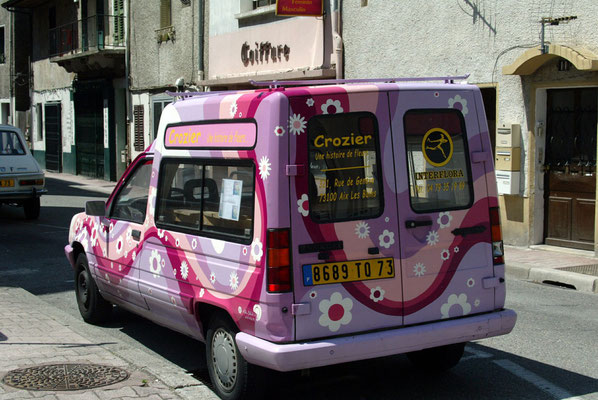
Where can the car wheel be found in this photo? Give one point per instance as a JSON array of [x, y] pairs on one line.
[[92, 306], [32, 207], [232, 377], [437, 359]]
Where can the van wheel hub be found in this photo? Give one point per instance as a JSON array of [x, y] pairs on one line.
[[224, 356]]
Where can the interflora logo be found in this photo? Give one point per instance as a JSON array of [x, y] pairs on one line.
[[437, 147]]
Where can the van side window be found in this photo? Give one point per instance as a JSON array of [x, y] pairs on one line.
[[214, 199], [438, 160], [130, 204], [344, 167]]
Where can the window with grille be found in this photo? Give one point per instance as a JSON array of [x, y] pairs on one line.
[[119, 22], [138, 121], [165, 14]]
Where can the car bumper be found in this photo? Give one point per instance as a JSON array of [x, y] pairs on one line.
[[21, 194], [294, 356]]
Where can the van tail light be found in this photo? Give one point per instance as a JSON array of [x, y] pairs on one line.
[[498, 251], [279, 261]]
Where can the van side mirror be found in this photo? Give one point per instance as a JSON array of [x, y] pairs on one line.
[[95, 208]]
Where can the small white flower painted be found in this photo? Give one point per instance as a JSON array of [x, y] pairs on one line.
[[184, 270], [264, 166], [476, 302], [257, 249], [456, 249], [161, 233], [310, 102], [134, 255], [432, 238], [386, 239], [212, 277], [233, 280], [419, 269], [313, 294], [470, 282], [297, 124], [303, 205], [458, 103], [240, 310], [454, 300], [377, 294], [245, 250], [445, 254], [119, 244], [335, 312], [155, 263], [386, 219], [177, 242], [233, 109], [444, 219], [194, 243], [336, 104], [279, 131], [362, 230], [201, 292]]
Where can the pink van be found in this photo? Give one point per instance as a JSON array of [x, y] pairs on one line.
[[296, 227]]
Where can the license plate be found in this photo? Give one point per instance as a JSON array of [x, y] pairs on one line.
[[348, 271], [7, 182]]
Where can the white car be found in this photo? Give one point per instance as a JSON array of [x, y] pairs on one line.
[[22, 180]]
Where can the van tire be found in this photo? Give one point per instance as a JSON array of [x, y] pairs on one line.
[[92, 306], [32, 208], [231, 375], [437, 359]]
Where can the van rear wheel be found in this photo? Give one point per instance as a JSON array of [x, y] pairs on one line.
[[233, 377], [437, 359]]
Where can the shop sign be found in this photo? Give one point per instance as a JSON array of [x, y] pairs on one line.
[[302, 8]]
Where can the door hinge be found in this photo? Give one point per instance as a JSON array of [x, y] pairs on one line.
[[301, 309], [295, 170]]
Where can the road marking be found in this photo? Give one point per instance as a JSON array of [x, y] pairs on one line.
[[536, 380], [475, 354]]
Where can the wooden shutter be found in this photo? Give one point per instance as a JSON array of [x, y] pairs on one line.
[[138, 121], [119, 22], [165, 18]]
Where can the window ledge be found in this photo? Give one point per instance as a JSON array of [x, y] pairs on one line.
[[271, 9]]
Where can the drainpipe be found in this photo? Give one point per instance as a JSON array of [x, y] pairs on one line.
[[337, 40], [128, 82]]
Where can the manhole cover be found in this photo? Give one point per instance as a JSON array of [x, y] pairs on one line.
[[64, 377], [583, 269]]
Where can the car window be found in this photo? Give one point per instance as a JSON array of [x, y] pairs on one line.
[[130, 203], [10, 144]]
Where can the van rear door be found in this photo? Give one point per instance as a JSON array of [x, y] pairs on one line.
[[344, 234], [444, 223]]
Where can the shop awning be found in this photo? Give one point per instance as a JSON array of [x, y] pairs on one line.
[[532, 59]]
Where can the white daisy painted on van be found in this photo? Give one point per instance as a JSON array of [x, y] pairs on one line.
[[94, 235], [310, 102], [419, 269], [119, 244], [455, 301], [445, 254], [212, 278], [279, 131], [377, 294], [362, 230], [297, 124], [233, 280], [335, 312], [233, 109], [257, 250], [387, 239], [332, 107], [184, 270], [444, 219], [194, 243], [161, 233], [303, 205], [264, 167], [432, 238], [458, 103], [155, 263], [470, 282]]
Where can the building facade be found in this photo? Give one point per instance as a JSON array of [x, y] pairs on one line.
[[536, 64]]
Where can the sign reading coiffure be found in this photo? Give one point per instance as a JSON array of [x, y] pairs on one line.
[[306, 8]]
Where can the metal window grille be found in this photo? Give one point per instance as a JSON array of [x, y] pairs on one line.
[[138, 121]]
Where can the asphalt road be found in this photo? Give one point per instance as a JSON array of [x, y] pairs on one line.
[[551, 354]]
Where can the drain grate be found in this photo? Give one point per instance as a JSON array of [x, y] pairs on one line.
[[64, 377], [582, 269]]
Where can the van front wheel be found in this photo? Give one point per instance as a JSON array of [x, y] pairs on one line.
[[233, 377], [437, 359]]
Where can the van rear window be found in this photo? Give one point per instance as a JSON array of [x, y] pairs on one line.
[[344, 167], [438, 161]]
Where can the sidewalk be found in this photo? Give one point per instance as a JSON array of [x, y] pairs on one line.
[[36, 335]]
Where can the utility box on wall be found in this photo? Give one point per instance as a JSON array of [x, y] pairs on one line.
[[507, 182], [507, 158], [508, 135]]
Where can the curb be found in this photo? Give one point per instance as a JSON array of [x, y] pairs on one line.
[[581, 282], [170, 374]]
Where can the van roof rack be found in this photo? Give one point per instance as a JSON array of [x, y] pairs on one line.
[[276, 83]]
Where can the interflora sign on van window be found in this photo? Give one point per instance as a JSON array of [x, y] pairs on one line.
[[344, 167]]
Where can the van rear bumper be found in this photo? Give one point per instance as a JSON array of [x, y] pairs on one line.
[[294, 356]]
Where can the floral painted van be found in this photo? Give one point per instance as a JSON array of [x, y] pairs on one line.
[[296, 227]]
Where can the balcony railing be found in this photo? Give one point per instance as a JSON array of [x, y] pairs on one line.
[[95, 33]]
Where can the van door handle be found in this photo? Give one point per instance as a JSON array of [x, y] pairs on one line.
[[410, 224], [469, 230], [135, 234]]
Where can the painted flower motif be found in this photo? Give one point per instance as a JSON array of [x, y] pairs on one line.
[[240, 310], [297, 124], [458, 103], [201, 292], [161, 233], [264, 166], [386, 219], [386, 239], [257, 250], [279, 131], [377, 294], [456, 249], [436, 94], [152, 198], [233, 109], [155, 263], [133, 255], [257, 309], [445, 254], [444, 219], [177, 242], [245, 250], [476, 302], [94, 235], [212, 277], [194, 243], [332, 107], [174, 272], [184, 270], [470, 282], [111, 227], [303, 205], [233, 280], [362, 230], [313, 294], [432, 238], [310, 102], [119, 244], [419, 269], [455, 300], [335, 312]]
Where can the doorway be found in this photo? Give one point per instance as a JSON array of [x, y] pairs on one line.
[[53, 137], [570, 165]]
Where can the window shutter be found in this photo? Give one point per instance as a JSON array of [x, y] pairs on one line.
[[138, 122], [165, 20], [119, 21]]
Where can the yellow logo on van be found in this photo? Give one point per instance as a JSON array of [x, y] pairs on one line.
[[437, 147]]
